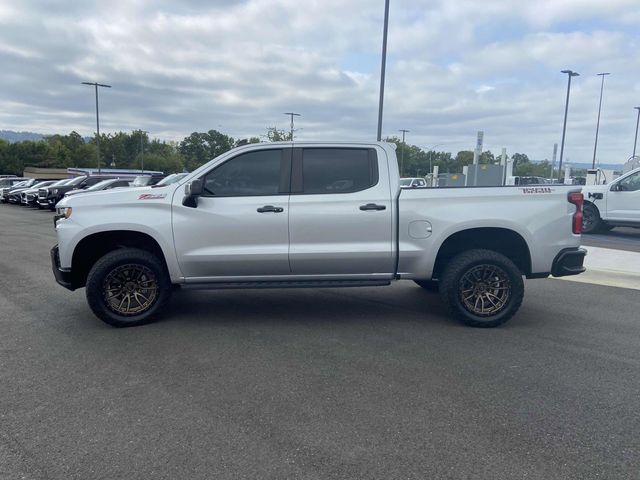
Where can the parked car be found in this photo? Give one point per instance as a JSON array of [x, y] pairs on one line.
[[146, 180], [30, 195], [413, 183], [7, 182], [169, 179], [103, 185], [616, 204], [4, 192], [7, 193], [269, 215], [48, 197]]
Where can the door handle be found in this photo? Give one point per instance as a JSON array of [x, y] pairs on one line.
[[270, 208], [372, 206]]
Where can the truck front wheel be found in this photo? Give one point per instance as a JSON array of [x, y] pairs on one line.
[[591, 221], [128, 287], [482, 288]]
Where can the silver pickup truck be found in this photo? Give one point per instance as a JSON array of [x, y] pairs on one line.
[[314, 215]]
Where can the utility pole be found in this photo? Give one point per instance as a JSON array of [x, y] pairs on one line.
[[383, 66], [142, 149], [96, 85], [570, 74], [292, 114], [402, 151], [635, 141], [595, 145]]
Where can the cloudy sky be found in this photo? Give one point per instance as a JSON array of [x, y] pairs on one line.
[[454, 67]]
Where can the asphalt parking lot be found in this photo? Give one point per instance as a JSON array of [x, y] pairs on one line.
[[311, 384]]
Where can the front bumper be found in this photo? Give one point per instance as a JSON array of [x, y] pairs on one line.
[[63, 277], [569, 262]]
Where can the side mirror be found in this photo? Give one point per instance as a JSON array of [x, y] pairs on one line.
[[192, 191]]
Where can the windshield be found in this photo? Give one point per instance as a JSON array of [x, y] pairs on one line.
[[59, 183], [141, 181], [42, 184], [76, 181], [100, 185], [173, 178], [21, 184]]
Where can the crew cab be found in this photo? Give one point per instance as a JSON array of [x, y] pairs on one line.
[[313, 215], [616, 204]]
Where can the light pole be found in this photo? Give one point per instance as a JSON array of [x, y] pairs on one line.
[[142, 132], [570, 74], [96, 85], [402, 151], [429, 149], [383, 66], [292, 114], [595, 145], [636, 137]]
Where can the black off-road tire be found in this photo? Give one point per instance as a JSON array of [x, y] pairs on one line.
[[429, 285], [116, 262], [452, 283], [591, 221]]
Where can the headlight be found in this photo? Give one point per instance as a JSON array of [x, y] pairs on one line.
[[54, 191], [65, 211]]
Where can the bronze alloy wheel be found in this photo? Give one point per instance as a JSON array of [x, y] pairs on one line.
[[485, 290], [130, 289]]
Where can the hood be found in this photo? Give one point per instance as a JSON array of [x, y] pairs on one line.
[[20, 190], [120, 197]]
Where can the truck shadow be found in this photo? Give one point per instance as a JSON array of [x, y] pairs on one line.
[[307, 305]]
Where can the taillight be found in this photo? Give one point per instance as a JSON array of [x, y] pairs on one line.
[[577, 199]]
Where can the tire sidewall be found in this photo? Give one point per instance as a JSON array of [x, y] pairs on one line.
[[596, 218], [113, 260], [452, 283]]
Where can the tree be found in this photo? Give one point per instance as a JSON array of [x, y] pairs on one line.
[[519, 159], [275, 135], [198, 148]]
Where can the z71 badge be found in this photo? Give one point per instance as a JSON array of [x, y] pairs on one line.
[[537, 190], [152, 196]]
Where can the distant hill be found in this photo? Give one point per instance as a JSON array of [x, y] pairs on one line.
[[11, 136]]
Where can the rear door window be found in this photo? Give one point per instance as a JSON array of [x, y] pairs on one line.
[[338, 170]]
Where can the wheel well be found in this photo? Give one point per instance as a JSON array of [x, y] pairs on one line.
[[501, 240], [587, 202], [93, 247]]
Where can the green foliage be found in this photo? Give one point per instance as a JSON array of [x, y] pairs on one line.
[[275, 135], [198, 148], [127, 150]]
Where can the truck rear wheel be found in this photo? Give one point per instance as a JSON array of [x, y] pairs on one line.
[[128, 287], [482, 288]]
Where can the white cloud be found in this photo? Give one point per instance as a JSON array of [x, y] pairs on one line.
[[454, 67]]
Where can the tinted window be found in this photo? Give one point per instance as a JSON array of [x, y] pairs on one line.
[[338, 170], [631, 183], [248, 174]]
